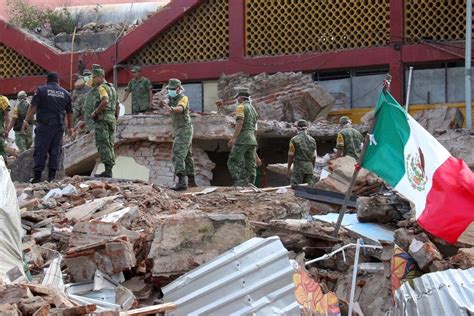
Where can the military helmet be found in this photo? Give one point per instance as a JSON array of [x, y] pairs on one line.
[[344, 120], [86, 72], [136, 69], [96, 66], [22, 95], [174, 84], [242, 92], [301, 124], [97, 73]]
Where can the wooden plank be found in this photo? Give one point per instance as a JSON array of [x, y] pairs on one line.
[[151, 309]]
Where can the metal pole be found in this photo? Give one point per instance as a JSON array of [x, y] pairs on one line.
[[72, 58], [359, 163], [467, 62], [410, 72], [354, 277]]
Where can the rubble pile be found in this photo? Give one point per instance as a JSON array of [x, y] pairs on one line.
[[130, 239], [282, 96]]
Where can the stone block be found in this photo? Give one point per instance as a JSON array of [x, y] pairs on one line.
[[464, 259], [29, 306], [424, 252], [109, 257], [188, 239]]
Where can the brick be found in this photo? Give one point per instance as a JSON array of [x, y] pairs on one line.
[[424, 252]]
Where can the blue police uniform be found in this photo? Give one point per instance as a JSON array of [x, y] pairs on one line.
[[52, 102]]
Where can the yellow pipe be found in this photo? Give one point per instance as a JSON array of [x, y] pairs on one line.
[[72, 57]]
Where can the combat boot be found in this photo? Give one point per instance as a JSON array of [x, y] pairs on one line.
[[51, 175], [181, 185], [192, 181], [106, 174], [36, 177]]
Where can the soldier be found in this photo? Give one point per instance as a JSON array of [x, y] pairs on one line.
[[78, 99], [89, 100], [302, 153], [104, 101], [183, 162], [4, 123], [141, 90], [50, 103], [243, 144], [349, 140], [23, 140]]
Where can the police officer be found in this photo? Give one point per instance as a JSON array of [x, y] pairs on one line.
[[302, 153], [141, 90], [349, 140], [4, 123], [50, 103], [243, 144], [23, 140], [104, 100], [178, 107]]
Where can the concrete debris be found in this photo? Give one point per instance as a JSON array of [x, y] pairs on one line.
[[383, 208], [437, 121], [424, 252], [341, 174], [282, 96], [125, 241], [459, 143], [187, 240]]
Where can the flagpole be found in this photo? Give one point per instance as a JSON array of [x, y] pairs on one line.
[[358, 166]]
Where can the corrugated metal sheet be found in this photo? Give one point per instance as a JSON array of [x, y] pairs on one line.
[[449, 292], [254, 277]]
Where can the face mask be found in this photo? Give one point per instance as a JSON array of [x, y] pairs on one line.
[[172, 93], [86, 78]]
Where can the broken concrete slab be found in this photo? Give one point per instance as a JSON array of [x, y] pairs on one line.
[[87, 233], [459, 143], [188, 239], [10, 310], [383, 208], [125, 216], [467, 237], [440, 119], [285, 96], [424, 252], [13, 294], [341, 174], [139, 287], [86, 210]]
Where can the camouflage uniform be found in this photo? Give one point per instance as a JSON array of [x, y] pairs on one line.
[[140, 94], [349, 140], [23, 140], [105, 124], [4, 107], [302, 148], [183, 135], [241, 163], [78, 102]]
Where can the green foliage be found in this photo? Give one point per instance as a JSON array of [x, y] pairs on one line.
[[25, 15]]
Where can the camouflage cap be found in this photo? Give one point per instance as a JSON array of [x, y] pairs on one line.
[[242, 92], [173, 84], [344, 120], [22, 95], [86, 72], [301, 124], [136, 69], [96, 66], [98, 73]]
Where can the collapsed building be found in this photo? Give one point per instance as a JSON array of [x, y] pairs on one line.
[[134, 243]]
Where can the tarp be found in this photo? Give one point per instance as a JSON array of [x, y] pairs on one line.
[[10, 224]]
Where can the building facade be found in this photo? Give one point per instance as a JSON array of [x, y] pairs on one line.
[[347, 45]]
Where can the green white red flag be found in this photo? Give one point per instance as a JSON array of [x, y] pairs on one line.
[[412, 161]]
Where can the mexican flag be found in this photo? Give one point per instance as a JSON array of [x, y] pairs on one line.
[[412, 161]]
